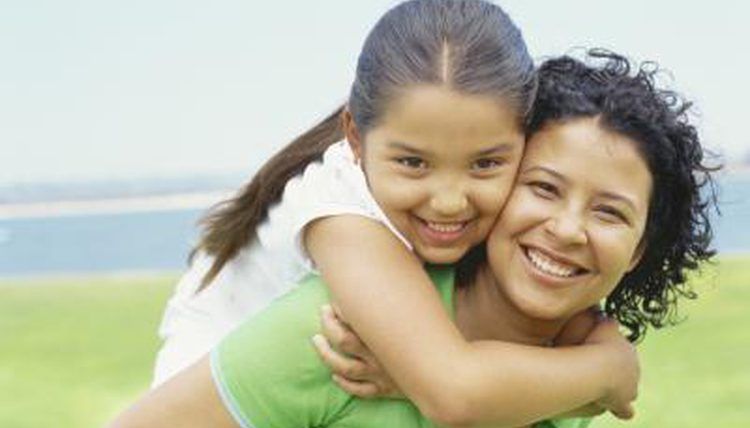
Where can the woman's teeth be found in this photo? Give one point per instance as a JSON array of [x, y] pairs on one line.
[[549, 266], [445, 227]]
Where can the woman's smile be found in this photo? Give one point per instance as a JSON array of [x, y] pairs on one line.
[[550, 266], [573, 224]]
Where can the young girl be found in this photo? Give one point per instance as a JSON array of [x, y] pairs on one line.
[[475, 83], [610, 203]]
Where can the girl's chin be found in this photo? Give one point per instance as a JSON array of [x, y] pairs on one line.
[[439, 256]]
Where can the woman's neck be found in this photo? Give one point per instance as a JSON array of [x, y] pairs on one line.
[[483, 312]]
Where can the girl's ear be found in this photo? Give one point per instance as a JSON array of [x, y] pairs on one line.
[[352, 133]]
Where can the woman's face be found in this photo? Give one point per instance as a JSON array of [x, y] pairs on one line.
[[572, 226], [441, 165]]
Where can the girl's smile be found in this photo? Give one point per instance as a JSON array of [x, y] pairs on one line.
[[441, 164], [441, 234]]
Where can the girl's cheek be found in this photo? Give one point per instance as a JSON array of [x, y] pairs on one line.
[[491, 199]]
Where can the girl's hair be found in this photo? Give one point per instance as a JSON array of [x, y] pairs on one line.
[[470, 46], [678, 231]]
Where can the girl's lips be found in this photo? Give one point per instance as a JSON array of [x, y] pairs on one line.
[[441, 233]]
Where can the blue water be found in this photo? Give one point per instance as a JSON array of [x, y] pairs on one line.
[[97, 243], [733, 226], [162, 240]]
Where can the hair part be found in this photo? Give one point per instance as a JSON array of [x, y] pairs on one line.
[[470, 46]]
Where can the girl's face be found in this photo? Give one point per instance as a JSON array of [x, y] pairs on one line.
[[573, 224], [441, 164]]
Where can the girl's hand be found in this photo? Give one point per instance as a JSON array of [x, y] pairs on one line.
[[625, 373], [355, 369]]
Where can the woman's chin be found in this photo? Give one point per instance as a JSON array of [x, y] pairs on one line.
[[540, 309]]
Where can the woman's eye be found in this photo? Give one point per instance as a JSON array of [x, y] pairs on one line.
[[611, 214], [412, 162], [544, 189]]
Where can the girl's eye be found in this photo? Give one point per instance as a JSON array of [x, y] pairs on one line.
[[412, 162], [486, 163], [544, 189]]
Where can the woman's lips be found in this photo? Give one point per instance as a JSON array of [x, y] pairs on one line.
[[550, 267]]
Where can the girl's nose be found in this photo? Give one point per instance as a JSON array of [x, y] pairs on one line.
[[567, 226], [449, 203]]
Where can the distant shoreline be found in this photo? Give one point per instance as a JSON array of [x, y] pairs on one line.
[[126, 274], [44, 277], [177, 201]]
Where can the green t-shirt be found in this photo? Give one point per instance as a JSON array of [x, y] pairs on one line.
[[269, 375]]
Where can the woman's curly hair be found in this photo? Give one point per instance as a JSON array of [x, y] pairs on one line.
[[678, 232], [678, 229]]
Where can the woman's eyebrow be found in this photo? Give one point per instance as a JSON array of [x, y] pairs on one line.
[[606, 194], [619, 197], [547, 170]]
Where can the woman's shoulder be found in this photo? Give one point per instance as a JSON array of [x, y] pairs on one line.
[[269, 369]]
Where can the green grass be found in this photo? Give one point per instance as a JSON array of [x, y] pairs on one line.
[[697, 374], [75, 352]]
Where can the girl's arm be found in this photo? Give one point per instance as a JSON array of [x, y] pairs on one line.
[[383, 291], [357, 371], [187, 400]]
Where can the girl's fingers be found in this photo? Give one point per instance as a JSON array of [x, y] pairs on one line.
[[576, 330], [625, 413], [340, 335], [347, 367], [358, 389]]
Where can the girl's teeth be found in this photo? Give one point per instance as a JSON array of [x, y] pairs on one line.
[[549, 266], [445, 227]]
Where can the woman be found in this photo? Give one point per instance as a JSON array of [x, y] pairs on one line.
[[435, 124], [607, 205]]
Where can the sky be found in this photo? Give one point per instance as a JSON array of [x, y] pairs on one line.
[[98, 90]]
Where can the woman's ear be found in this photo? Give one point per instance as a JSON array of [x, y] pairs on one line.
[[352, 134]]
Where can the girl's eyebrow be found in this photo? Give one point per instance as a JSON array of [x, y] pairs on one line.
[[405, 147], [604, 194], [499, 148]]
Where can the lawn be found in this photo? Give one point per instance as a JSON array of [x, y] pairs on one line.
[[76, 351]]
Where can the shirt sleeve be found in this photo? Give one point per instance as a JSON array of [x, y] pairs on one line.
[[565, 423], [334, 186], [267, 371]]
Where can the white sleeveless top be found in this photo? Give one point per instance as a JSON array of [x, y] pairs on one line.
[[266, 268]]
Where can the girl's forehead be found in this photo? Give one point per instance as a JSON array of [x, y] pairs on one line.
[[435, 115]]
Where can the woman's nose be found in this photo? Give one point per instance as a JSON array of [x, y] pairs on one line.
[[567, 226]]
